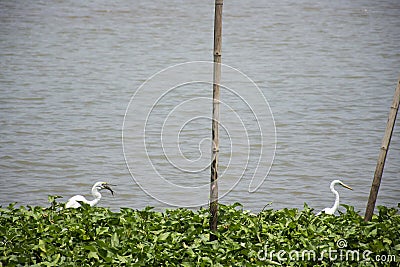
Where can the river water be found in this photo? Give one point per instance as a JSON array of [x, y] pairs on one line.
[[72, 113]]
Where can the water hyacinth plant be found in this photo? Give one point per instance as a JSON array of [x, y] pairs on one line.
[[95, 236]]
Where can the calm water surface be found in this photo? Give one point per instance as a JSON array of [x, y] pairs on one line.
[[68, 71]]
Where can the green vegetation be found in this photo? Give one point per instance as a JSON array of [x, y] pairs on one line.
[[93, 236]]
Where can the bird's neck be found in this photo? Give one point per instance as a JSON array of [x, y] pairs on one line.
[[97, 196], [336, 205]]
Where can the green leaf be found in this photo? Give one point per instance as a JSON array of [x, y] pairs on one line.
[[123, 259], [56, 258], [42, 245], [115, 240], [163, 236], [94, 255], [102, 230], [373, 233]]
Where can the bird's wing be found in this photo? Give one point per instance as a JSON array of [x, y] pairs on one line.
[[73, 201], [326, 211]]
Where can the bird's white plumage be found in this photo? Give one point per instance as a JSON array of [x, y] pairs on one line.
[[73, 202], [335, 206]]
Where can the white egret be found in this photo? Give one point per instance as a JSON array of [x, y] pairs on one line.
[[73, 202], [336, 205]]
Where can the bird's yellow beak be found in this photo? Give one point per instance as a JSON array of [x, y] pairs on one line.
[[346, 186]]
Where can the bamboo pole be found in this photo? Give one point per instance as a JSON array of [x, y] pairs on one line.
[[215, 118], [382, 155]]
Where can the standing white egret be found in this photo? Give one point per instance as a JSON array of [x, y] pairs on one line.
[[336, 205], [73, 202]]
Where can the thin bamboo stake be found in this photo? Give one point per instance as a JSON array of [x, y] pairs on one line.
[[382, 155], [215, 119]]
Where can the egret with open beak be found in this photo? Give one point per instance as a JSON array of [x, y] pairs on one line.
[[73, 202]]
